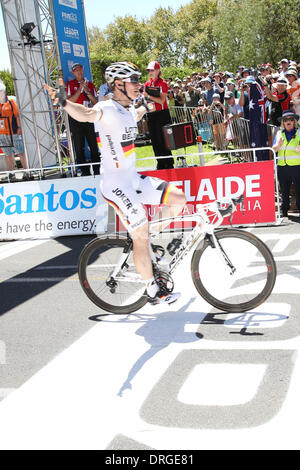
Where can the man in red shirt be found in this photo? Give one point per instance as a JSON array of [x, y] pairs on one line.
[[160, 115], [281, 100], [81, 91]]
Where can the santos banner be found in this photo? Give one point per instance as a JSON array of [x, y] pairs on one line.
[[71, 35], [52, 208]]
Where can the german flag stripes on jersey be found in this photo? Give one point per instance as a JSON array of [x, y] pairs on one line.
[[118, 211], [128, 147]]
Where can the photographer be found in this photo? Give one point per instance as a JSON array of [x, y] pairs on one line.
[[244, 96], [156, 90], [217, 116], [191, 96]]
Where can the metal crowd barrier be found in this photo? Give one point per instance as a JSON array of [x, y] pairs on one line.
[[209, 123]]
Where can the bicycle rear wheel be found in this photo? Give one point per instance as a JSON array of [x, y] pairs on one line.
[[253, 264], [123, 294]]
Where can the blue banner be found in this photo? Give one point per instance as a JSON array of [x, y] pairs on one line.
[[71, 36]]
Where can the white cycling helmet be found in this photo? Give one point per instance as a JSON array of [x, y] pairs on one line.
[[120, 70]]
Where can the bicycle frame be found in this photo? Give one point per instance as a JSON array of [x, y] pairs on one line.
[[205, 224]]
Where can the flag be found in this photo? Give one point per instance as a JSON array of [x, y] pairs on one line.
[[257, 121]]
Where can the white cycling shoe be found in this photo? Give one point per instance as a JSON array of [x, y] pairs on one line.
[[164, 297]]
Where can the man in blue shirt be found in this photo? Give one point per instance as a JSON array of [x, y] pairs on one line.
[[209, 91], [105, 92]]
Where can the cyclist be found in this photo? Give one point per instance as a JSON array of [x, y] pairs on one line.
[[121, 186]]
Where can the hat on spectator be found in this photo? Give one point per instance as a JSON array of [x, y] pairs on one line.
[[250, 79], [286, 114], [292, 72], [230, 81], [153, 65], [243, 71], [275, 75], [282, 81], [284, 60], [228, 95], [206, 79], [216, 95], [77, 64]]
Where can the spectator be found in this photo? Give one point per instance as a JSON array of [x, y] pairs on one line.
[[191, 96], [171, 104], [82, 91], [279, 98], [287, 146], [240, 71], [161, 116], [233, 112], [105, 92], [194, 78], [11, 140], [293, 88], [219, 87], [244, 96], [178, 95], [245, 73], [284, 67], [209, 91], [231, 87], [217, 121]]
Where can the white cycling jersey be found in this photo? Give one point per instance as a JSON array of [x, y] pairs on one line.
[[117, 130], [121, 185]]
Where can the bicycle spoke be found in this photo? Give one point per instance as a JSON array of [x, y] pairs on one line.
[[253, 277], [97, 266]]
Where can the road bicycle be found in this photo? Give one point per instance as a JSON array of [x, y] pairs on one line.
[[233, 270]]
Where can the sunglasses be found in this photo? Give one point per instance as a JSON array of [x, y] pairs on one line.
[[288, 120], [132, 79]]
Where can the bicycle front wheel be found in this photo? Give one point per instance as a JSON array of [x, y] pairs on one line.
[[125, 293], [237, 275]]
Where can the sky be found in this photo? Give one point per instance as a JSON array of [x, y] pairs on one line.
[[102, 12]]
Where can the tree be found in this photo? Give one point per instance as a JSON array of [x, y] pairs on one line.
[[202, 34], [251, 32], [125, 39], [196, 32], [7, 79]]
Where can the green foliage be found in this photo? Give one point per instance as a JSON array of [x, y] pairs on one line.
[[202, 34], [7, 79]]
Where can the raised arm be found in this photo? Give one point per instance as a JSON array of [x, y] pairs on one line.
[[75, 110]]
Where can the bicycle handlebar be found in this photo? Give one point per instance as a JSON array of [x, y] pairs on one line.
[[231, 206]]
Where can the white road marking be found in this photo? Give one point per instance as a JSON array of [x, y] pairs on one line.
[[96, 388], [4, 392], [221, 384], [14, 248]]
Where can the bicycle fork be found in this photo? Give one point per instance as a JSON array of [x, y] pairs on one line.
[[217, 245]]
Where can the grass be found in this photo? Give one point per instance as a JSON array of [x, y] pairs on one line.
[[147, 152]]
